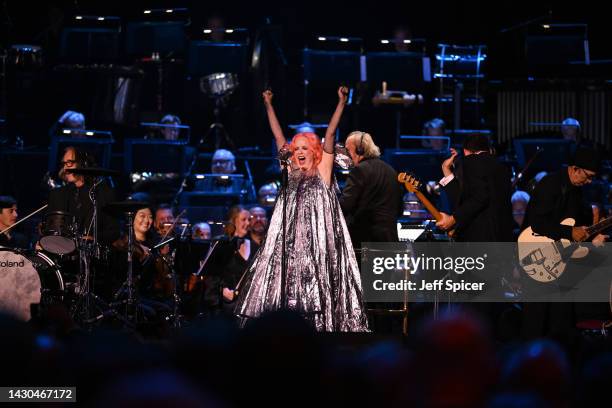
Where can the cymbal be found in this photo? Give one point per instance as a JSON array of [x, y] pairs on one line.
[[119, 208], [93, 171]]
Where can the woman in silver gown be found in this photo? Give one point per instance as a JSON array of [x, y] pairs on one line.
[[322, 280]]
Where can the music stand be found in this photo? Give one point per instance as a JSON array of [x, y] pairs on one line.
[[145, 38], [553, 155], [426, 165], [157, 128], [209, 57], [422, 144], [156, 156], [88, 45], [401, 70]]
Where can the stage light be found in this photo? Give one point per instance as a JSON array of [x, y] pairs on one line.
[[147, 12], [407, 41], [169, 11], [229, 31], [89, 133], [207, 31], [384, 41], [546, 26], [100, 18], [66, 131], [79, 17], [339, 39]]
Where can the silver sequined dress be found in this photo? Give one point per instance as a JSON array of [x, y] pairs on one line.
[[322, 281]]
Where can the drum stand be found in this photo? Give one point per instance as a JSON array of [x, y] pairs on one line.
[[89, 250], [131, 308]]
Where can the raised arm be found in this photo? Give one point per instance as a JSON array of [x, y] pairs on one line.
[[330, 133], [327, 162], [277, 131]]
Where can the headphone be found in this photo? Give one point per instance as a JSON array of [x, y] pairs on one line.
[[359, 150]]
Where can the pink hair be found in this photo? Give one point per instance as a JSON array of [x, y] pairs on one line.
[[313, 142]]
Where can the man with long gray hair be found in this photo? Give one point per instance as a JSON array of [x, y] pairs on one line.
[[372, 198]]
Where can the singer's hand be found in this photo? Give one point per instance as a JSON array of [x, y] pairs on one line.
[[267, 96], [343, 94]]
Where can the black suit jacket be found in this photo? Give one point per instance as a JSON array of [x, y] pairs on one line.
[[371, 202], [554, 199], [480, 195]]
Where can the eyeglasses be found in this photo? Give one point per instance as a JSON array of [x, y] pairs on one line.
[[69, 162]]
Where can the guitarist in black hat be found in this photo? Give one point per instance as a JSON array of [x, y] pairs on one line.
[[556, 197]]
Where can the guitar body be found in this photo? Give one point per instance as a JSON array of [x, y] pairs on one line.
[[544, 259]]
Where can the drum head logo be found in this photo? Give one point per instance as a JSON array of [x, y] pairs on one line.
[[12, 264]]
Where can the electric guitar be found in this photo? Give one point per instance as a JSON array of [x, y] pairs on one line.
[[413, 185], [544, 259]]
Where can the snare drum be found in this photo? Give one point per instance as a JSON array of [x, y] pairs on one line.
[[219, 84], [58, 233], [27, 278]]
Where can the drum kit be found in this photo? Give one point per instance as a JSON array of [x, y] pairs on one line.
[[62, 268]]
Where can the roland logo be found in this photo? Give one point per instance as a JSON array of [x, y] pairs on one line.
[[12, 264]]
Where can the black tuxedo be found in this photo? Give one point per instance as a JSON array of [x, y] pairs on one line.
[[371, 202], [480, 195]]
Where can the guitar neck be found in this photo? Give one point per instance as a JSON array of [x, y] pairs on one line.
[[428, 205], [600, 226]]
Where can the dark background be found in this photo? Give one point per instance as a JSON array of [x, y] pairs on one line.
[[296, 24]]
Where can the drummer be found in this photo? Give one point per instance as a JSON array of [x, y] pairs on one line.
[[8, 218], [73, 198]]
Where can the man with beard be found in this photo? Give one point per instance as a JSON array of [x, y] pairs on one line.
[[258, 224], [74, 197]]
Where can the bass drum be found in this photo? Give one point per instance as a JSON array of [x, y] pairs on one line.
[[27, 278]]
